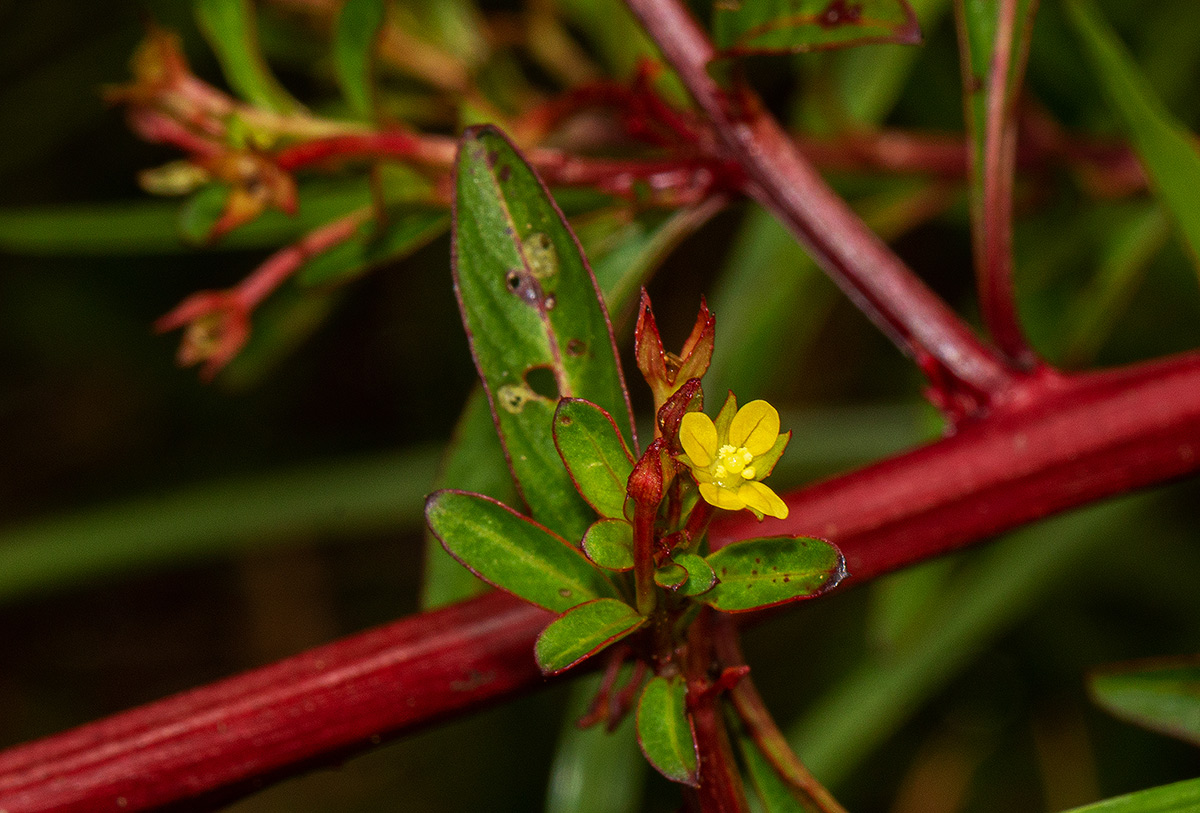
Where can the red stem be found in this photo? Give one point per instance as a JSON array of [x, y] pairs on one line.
[[993, 260], [1062, 442], [784, 182]]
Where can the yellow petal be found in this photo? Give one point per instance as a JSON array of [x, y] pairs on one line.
[[721, 497], [755, 426], [762, 499], [699, 439]]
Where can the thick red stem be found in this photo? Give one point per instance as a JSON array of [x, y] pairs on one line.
[[1060, 443], [787, 184]]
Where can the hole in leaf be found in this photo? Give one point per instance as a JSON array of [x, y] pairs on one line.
[[543, 382], [513, 281]]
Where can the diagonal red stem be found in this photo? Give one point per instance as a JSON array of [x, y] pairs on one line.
[[1061, 442], [787, 184]]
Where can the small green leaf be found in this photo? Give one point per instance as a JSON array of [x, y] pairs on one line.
[[583, 631], [665, 731], [354, 39], [231, 31], [537, 326], [513, 552], [794, 26], [670, 576], [1180, 797], [609, 544], [764, 572], [701, 577], [594, 453], [373, 246], [1166, 149], [1162, 695]]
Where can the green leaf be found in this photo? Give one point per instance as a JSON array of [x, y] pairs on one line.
[[583, 631], [665, 732], [1161, 695], [609, 544], [354, 39], [337, 500], [229, 26], [764, 572], [537, 326], [594, 453], [1166, 149], [512, 552], [670, 576], [372, 246], [1180, 797], [701, 576], [794, 26]]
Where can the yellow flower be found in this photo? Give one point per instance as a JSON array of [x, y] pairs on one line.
[[729, 458]]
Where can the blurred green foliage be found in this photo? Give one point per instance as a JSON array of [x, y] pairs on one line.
[[156, 533]]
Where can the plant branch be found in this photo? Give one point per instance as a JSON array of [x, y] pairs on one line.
[[994, 200], [783, 181], [761, 726], [1061, 442]]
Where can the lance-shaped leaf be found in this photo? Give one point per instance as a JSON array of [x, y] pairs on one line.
[[665, 732], [230, 29], [759, 573], [1161, 695], [583, 631], [594, 453], [535, 320], [1180, 797], [513, 552], [793, 26], [355, 35], [1166, 149]]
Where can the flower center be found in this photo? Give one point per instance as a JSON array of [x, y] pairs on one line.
[[732, 467]]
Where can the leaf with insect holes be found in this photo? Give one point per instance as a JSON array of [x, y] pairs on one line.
[[231, 31], [665, 732], [513, 552], [583, 631], [793, 26], [758, 573], [1162, 695], [355, 35], [594, 454], [609, 544], [537, 326]]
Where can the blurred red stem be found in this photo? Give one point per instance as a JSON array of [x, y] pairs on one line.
[[276, 269], [994, 263], [783, 181]]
